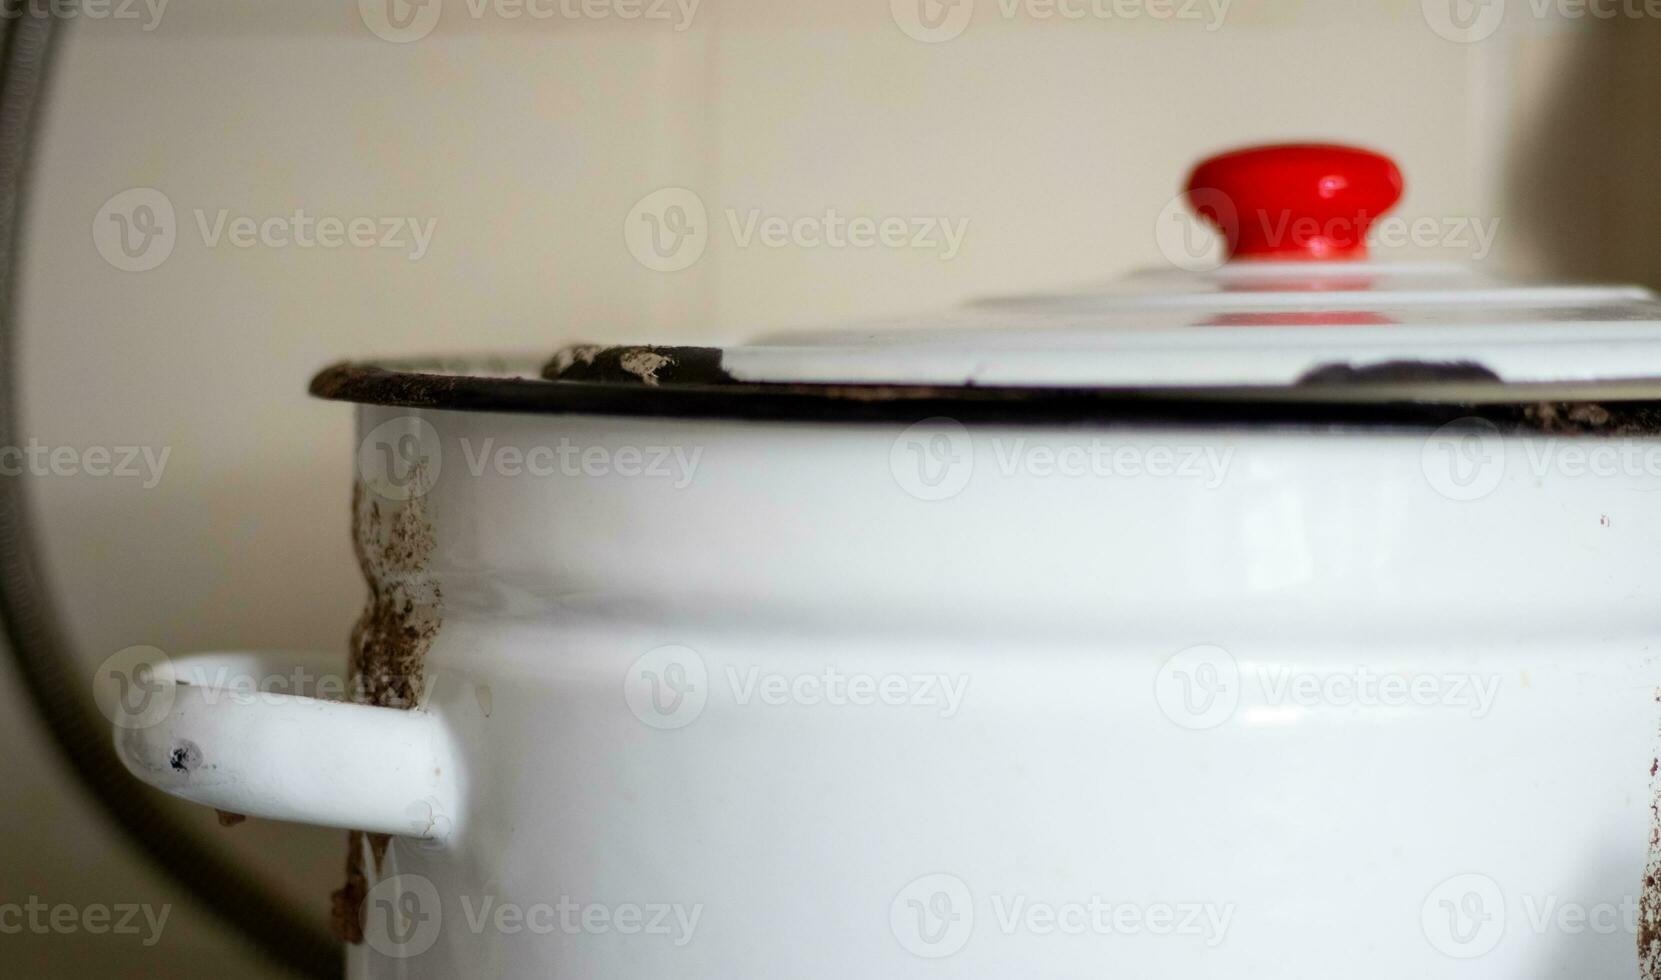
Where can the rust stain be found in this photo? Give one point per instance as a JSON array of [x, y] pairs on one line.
[[346, 904], [645, 364], [394, 542], [567, 358], [638, 365], [1591, 418], [1649, 906]]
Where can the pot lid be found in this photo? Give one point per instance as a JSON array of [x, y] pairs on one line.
[[1297, 314], [1264, 324]]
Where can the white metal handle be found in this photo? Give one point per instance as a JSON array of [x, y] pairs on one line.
[[283, 756]]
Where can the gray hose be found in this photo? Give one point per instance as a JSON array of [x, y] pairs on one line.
[[28, 616]]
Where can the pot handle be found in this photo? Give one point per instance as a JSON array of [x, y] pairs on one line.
[[257, 752]]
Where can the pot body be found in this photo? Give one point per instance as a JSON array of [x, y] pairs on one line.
[[748, 700]]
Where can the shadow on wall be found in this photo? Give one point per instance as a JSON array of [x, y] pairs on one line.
[[1584, 173]]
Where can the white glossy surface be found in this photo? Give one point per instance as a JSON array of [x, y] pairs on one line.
[[261, 753], [795, 832], [1244, 324]]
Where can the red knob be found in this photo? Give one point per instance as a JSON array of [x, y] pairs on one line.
[[1295, 200]]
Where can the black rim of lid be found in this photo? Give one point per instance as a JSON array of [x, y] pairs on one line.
[[689, 383]]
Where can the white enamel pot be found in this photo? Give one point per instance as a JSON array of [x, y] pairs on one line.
[[682, 663]]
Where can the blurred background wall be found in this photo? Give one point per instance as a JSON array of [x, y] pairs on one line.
[[523, 143]]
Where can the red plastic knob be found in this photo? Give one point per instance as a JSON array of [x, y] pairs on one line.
[[1295, 200]]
